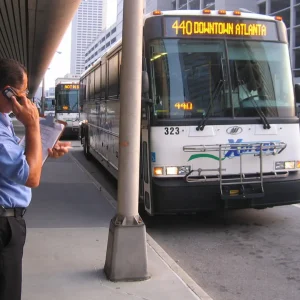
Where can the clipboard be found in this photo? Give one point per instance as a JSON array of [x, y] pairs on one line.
[[51, 131]]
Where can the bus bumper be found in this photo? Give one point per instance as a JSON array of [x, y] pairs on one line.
[[176, 195]]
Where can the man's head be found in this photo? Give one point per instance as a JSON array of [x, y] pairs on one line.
[[12, 74]]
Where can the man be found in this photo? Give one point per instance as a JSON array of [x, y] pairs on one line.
[[19, 172]]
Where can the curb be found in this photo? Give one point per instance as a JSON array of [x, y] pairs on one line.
[[181, 274], [165, 257]]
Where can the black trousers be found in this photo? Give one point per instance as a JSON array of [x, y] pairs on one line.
[[12, 240]]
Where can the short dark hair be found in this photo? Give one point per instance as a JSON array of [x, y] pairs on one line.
[[11, 73]]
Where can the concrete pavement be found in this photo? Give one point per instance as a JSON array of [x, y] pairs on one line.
[[67, 230]]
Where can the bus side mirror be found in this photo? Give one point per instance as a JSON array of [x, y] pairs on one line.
[[145, 83], [53, 102]]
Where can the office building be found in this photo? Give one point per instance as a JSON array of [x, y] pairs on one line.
[[289, 10], [87, 24], [50, 92], [111, 35]]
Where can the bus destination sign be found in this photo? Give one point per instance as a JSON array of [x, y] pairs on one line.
[[236, 28], [71, 86]]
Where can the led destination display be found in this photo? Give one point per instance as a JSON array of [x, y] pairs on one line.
[[71, 86], [236, 28]]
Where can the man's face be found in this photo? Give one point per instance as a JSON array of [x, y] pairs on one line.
[[21, 90]]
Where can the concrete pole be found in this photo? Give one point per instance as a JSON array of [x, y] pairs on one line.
[[43, 97], [126, 256], [130, 108]]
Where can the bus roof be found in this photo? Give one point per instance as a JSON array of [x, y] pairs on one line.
[[68, 82], [245, 15], [248, 15]]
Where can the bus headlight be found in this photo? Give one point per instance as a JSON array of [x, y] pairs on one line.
[[182, 170], [287, 165]]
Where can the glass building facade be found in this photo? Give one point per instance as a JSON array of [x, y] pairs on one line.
[[289, 10]]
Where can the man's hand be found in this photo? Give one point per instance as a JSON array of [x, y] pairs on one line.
[[25, 111], [60, 149]]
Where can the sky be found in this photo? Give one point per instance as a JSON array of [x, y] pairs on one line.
[[60, 64]]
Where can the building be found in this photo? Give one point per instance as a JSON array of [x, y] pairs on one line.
[[290, 11], [51, 92], [87, 24], [104, 41], [110, 36]]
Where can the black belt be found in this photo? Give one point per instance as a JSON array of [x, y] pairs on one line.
[[12, 212]]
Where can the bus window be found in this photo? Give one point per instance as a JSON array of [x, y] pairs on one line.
[[188, 77], [260, 76]]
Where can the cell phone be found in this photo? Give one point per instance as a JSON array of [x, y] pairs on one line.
[[8, 92]]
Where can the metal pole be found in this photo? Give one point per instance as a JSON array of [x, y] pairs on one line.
[[126, 257], [43, 97]]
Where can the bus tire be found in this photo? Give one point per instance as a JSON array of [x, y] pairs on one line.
[[86, 147]]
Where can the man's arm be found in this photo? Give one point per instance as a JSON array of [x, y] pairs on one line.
[[28, 115], [33, 153]]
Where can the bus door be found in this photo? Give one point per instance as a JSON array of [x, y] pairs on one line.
[[145, 161]]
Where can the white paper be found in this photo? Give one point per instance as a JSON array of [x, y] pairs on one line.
[[50, 133]]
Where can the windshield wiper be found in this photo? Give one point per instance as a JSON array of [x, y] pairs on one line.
[[74, 106], [216, 93], [250, 97], [259, 111]]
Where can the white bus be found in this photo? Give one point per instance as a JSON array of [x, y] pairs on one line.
[[67, 107], [219, 128]]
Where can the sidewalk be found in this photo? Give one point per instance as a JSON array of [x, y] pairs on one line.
[[67, 231]]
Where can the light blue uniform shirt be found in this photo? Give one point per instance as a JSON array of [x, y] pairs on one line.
[[14, 169]]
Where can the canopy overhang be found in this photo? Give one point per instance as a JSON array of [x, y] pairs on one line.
[[31, 31]]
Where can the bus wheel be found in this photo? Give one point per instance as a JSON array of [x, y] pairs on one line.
[[86, 148]]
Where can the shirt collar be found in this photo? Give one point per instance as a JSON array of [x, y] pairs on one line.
[[5, 119]]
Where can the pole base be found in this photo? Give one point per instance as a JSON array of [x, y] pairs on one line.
[[126, 255]]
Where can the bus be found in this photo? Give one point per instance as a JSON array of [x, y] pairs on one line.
[[67, 107], [219, 128]]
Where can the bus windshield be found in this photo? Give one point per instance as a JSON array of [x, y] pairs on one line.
[[67, 101], [230, 78]]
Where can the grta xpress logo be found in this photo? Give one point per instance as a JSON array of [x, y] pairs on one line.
[[236, 151]]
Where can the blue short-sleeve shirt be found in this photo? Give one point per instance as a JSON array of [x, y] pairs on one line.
[[14, 169]]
